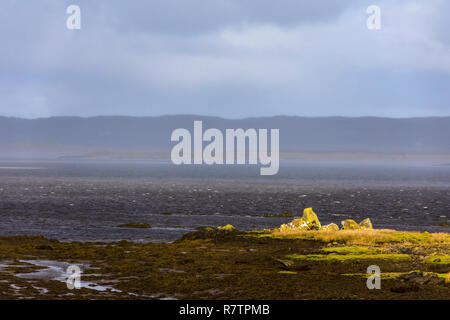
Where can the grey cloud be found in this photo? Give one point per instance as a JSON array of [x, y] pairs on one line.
[[203, 16], [233, 58]]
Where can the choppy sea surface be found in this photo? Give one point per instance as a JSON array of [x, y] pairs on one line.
[[86, 200]]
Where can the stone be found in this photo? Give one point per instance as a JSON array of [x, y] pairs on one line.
[[366, 224], [350, 224], [311, 220], [308, 221], [294, 225], [228, 227], [285, 263], [330, 227]]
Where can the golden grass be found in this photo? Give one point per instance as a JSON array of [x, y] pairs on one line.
[[366, 236]]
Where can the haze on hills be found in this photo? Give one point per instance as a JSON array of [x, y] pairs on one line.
[[124, 137]]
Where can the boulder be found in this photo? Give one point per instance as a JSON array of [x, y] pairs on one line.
[[286, 264], [366, 224], [350, 224], [330, 227], [228, 227], [296, 224], [311, 220], [308, 221]]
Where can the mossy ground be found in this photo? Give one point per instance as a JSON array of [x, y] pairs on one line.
[[228, 264], [346, 257]]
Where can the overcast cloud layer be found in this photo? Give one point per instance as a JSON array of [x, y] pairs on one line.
[[230, 58]]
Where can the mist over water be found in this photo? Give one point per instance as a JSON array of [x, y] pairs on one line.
[[86, 200]]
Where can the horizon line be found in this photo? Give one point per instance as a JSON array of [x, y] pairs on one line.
[[224, 118]]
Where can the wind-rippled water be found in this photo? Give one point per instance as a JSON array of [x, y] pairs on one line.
[[87, 200]]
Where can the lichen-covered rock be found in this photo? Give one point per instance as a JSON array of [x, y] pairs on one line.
[[330, 227], [350, 224], [310, 218], [294, 225], [308, 221], [366, 224], [228, 227]]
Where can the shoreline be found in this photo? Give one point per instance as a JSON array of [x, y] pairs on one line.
[[221, 263]]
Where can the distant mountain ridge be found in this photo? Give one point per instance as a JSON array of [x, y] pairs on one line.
[[75, 135]]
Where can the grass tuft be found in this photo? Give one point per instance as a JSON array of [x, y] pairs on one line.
[[363, 237]]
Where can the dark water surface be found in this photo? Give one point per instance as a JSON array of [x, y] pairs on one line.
[[87, 200]]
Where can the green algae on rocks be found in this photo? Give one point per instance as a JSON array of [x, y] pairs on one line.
[[347, 257], [436, 258]]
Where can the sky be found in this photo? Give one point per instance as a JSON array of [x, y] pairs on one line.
[[227, 58]]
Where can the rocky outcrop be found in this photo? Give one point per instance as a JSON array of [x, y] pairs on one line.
[[350, 224], [309, 221], [330, 227], [366, 224], [228, 227]]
